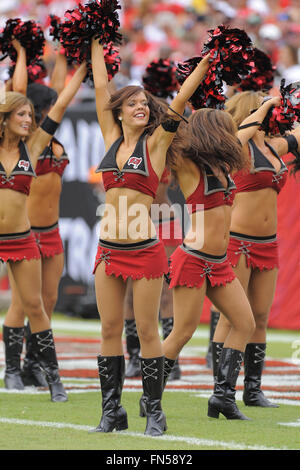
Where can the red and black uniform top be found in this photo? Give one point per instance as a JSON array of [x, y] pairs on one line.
[[262, 173], [21, 176], [48, 163], [210, 191], [137, 173]]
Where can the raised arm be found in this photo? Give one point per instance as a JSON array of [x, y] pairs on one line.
[[101, 84], [20, 76], [59, 74], [189, 87], [42, 136], [251, 124]]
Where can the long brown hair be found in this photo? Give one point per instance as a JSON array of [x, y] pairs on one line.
[[208, 138], [156, 106], [12, 101]]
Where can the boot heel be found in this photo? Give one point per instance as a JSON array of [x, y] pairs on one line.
[[122, 424], [212, 412]]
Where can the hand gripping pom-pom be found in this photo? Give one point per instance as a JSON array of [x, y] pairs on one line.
[[97, 19], [28, 33], [281, 119], [230, 52]]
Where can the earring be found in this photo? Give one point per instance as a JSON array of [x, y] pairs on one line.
[[120, 118]]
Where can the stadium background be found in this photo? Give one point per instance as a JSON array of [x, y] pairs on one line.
[[175, 29]]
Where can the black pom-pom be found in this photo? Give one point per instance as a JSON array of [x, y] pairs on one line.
[[160, 79], [97, 19], [261, 76], [230, 53], [28, 33], [281, 119]]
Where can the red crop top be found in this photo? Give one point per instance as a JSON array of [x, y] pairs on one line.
[[48, 163], [137, 172], [210, 191], [21, 176], [263, 175]]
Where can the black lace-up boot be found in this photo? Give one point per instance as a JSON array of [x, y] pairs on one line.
[[168, 365], [153, 382], [32, 374], [223, 398], [44, 349], [253, 366], [216, 350], [111, 373], [13, 345], [167, 326], [133, 348]]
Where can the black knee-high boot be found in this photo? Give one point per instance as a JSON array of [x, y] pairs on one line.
[[32, 374], [44, 349], [111, 373], [253, 366], [153, 382], [133, 348], [216, 350], [168, 366], [214, 318], [13, 345], [167, 326], [223, 398]]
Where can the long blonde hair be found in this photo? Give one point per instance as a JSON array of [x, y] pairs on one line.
[[241, 105], [12, 101]]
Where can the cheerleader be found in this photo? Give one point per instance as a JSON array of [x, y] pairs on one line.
[[207, 151], [137, 134], [253, 246], [21, 144]]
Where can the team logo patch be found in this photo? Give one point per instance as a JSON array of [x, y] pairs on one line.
[[23, 164], [135, 162]]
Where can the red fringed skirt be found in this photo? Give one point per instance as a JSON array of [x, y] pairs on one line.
[[48, 240], [190, 268], [18, 246], [146, 259], [260, 252]]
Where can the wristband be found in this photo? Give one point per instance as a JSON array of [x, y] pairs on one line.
[[49, 126]]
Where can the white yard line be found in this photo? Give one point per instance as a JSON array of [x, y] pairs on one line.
[[168, 438]]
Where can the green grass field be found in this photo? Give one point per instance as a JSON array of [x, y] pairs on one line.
[[30, 421]]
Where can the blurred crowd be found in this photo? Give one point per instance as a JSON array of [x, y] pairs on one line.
[[177, 29]]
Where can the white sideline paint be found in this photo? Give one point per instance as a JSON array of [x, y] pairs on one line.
[[95, 326], [188, 440]]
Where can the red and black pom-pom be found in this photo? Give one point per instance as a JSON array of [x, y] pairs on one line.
[[112, 61], [208, 94], [261, 76], [281, 119], [28, 33], [97, 19], [160, 79], [230, 53], [36, 71]]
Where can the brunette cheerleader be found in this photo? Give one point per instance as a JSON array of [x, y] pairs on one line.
[[207, 151], [21, 144], [253, 246], [136, 140]]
